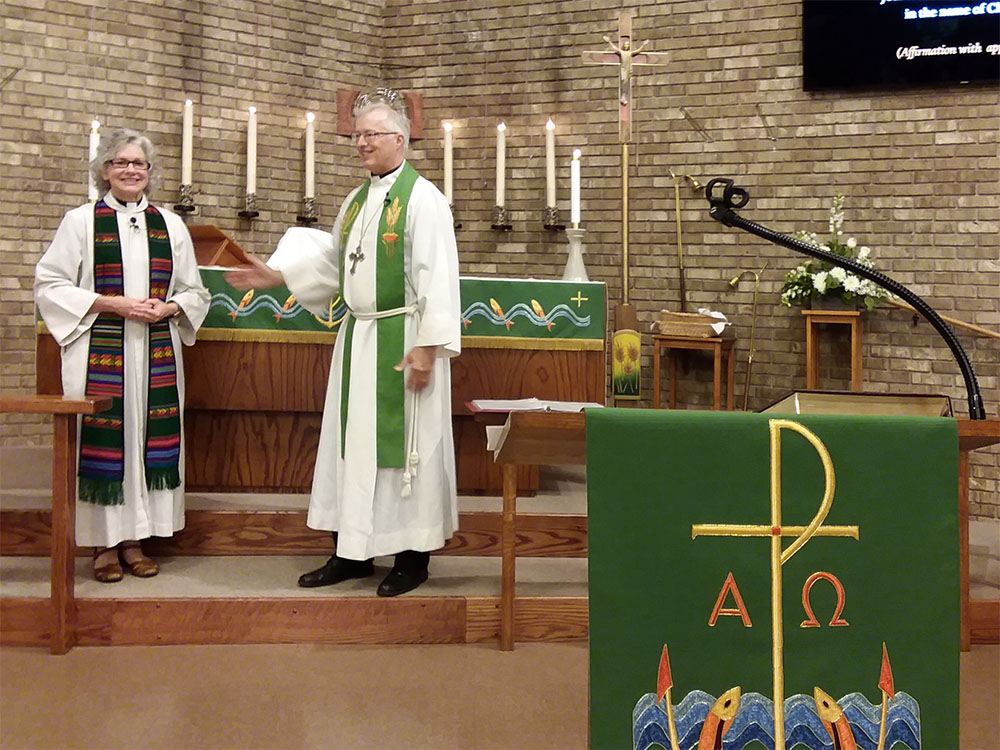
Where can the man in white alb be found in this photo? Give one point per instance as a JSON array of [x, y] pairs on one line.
[[384, 482]]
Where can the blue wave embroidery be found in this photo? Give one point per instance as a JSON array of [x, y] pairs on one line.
[[522, 310], [267, 301], [755, 722]]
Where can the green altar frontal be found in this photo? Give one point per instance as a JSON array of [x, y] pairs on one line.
[[763, 581], [496, 312]]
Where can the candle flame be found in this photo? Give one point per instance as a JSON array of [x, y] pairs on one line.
[[310, 116], [501, 127], [577, 153], [188, 103], [95, 125], [253, 110], [447, 127], [550, 125]]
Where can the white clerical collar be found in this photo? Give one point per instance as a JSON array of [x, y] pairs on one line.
[[118, 205], [388, 178]]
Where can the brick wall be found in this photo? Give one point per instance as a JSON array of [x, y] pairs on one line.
[[919, 168]]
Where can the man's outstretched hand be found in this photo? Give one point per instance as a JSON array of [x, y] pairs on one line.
[[254, 275]]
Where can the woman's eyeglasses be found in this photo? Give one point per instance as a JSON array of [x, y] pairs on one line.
[[121, 164]]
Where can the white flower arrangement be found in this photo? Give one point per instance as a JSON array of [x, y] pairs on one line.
[[814, 279]]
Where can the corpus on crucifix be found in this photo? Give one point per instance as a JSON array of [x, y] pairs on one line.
[[625, 54]]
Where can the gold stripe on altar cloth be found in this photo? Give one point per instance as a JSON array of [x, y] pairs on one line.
[[250, 335], [523, 342]]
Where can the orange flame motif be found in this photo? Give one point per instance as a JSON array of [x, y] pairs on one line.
[[285, 307], [500, 314], [834, 721], [664, 680], [540, 312], [243, 303], [720, 718]]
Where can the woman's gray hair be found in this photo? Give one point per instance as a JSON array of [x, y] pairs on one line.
[[394, 105], [113, 142]]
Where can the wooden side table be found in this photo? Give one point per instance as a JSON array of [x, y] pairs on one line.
[[717, 345], [816, 318]]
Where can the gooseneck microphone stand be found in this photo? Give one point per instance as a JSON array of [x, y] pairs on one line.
[[733, 197]]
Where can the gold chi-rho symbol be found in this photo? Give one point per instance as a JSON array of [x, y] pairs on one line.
[[779, 557]]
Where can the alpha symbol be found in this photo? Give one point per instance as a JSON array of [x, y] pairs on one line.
[[741, 611]]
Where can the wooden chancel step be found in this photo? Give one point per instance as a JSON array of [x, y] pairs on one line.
[[230, 577]]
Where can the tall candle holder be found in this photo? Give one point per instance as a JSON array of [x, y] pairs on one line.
[[186, 204], [501, 220], [551, 219], [575, 270], [308, 215], [250, 211]]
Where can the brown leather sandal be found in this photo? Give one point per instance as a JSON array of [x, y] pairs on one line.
[[111, 572], [140, 566]]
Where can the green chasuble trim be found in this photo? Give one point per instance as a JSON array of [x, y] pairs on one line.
[[390, 293]]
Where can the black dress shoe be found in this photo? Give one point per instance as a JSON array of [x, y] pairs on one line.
[[400, 581], [336, 570]]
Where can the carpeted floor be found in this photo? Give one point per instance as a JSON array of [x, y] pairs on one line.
[[328, 697]]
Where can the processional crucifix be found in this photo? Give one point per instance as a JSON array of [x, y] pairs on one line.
[[625, 55], [625, 337]]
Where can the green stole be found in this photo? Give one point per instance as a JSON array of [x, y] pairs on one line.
[[390, 293]]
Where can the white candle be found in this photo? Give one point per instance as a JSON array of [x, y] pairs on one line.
[[501, 160], [186, 142], [310, 156], [550, 164], [95, 139], [574, 189], [447, 163], [252, 151]]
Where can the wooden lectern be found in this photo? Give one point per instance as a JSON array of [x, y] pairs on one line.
[[530, 439]]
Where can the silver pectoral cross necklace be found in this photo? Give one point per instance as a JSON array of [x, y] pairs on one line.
[[358, 255]]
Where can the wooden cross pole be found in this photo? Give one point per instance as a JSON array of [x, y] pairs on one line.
[[625, 55]]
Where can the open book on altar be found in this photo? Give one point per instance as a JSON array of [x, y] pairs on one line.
[[530, 404]]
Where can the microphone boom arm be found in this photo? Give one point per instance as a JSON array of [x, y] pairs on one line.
[[736, 197]]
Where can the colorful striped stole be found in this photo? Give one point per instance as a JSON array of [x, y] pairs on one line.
[[102, 442]]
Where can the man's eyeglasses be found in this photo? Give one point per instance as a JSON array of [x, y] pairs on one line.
[[121, 164], [369, 135]]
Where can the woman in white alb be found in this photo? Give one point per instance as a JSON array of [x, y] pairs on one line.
[[119, 290]]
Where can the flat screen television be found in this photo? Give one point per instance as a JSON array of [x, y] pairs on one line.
[[899, 43]]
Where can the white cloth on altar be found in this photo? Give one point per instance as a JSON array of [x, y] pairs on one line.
[[350, 494], [64, 292]]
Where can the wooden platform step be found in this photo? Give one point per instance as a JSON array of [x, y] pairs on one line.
[[255, 599], [259, 532]]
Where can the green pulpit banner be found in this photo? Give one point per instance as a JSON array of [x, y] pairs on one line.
[[770, 581], [512, 311]]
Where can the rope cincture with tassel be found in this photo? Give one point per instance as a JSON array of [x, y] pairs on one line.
[[411, 454]]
